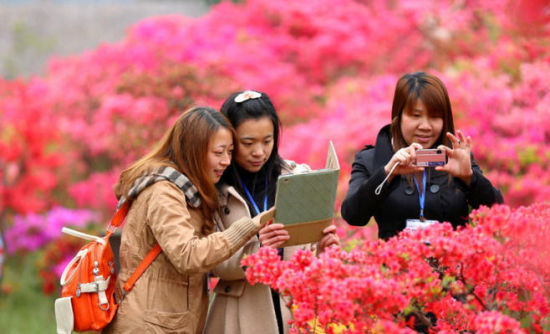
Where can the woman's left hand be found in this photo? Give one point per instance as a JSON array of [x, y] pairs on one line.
[[329, 239], [273, 235], [458, 157]]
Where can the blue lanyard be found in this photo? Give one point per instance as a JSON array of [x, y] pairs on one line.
[[252, 199], [421, 195]]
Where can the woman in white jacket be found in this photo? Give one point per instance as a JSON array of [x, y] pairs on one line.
[[248, 188]]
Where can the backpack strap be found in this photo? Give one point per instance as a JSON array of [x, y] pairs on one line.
[[119, 216], [149, 258], [116, 222]]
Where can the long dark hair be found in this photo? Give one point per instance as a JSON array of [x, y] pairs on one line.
[[253, 108], [426, 87]]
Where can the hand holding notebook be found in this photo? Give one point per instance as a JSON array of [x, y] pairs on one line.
[[305, 202]]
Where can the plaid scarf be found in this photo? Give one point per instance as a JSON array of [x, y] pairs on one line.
[[160, 174]]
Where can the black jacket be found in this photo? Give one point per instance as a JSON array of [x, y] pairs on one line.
[[447, 199]]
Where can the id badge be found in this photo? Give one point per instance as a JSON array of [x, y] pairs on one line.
[[417, 224]]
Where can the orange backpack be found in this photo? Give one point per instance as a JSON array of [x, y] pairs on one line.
[[88, 282]]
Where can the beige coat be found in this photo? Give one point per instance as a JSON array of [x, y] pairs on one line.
[[171, 296], [239, 307]]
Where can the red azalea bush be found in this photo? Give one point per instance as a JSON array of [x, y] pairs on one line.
[[330, 67], [491, 276], [31, 159]]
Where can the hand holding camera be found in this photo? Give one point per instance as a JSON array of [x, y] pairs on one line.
[[458, 157], [455, 161], [404, 158]]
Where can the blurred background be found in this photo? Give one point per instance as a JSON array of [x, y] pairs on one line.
[[34, 30], [86, 87]]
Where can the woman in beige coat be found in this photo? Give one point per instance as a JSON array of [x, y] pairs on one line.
[[174, 203], [248, 189]]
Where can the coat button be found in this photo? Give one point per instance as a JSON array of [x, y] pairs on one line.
[[226, 210], [409, 191], [227, 289], [434, 188]]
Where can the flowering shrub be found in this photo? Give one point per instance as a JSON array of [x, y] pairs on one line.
[[30, 149], [32, 231], [55, 256], [488, 277], [330, 67], [1, 258]]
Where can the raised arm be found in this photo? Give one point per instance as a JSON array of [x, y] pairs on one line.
[[172, 226]]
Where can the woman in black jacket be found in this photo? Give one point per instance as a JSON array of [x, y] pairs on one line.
[[387, 184]]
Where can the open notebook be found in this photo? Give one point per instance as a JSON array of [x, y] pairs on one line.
[[304, 202]]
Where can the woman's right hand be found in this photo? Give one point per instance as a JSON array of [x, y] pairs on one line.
[[405, 157], [264, 218]]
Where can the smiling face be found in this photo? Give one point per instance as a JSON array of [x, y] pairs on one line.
[[255, 141], [421, 111], [417, 126], [220, 149]]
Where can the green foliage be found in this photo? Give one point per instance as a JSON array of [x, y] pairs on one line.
[[528, 155], [23, 306]]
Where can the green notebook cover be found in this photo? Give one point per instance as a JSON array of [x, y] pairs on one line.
[[310, 196]]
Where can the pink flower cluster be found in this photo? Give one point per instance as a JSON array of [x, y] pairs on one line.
[[329, 66], [30, 159], [32, 231], [490, 277]]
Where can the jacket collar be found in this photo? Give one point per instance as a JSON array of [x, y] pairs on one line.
[[226, 190]]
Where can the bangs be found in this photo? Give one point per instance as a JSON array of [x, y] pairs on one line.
[[433, 107], [434, 112], [435, 104]]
